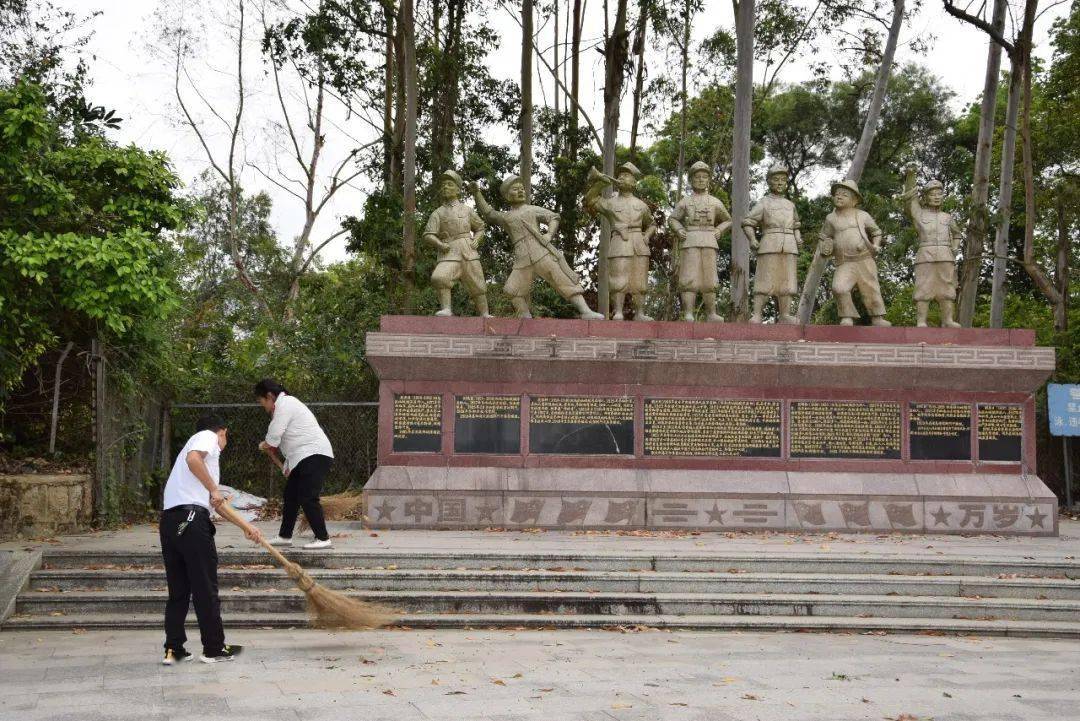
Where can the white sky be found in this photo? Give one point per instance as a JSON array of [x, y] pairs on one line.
[[128, 77]]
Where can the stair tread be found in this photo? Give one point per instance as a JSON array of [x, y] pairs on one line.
[[122, 595]]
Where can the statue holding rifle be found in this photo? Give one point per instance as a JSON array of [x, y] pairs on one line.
[[632, 227], [534, 252]]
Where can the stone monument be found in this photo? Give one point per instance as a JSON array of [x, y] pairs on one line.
[[698, 221], [534, 251], [632, 227], [852, 239], [456, 231], [939, 241], [778, 250]]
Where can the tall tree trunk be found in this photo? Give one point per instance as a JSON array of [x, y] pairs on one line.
[[398, 157], [639, 76], [1061, 271], [1033, 269], [684, 64], [388, 103], [808, 299], [616, 52], [575, 78], [740, 157], [408, 245], [1004, 199], [56, 396], [555, 59], [975, 239], [526, 95]]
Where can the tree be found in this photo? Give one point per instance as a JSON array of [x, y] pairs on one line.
[[527, 35], [81, 235], [740, 157]]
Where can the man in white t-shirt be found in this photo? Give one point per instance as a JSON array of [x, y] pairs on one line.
[[187, 544]]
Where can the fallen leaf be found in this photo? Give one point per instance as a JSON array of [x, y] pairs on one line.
[[621, 705], [517, 675], [498, 682], [751, 697], [389, 692]]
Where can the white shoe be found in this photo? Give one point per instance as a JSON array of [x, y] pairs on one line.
[[279, 541], [317, 544]]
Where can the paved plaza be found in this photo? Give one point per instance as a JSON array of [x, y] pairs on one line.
[[498, 675]]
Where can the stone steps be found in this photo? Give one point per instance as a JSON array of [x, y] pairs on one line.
[[77, 603], [1003, 594], [67, 580], [933, 627], [914, 565]]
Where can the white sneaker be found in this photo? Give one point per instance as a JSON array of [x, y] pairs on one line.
[[279, 541], [317, 544]]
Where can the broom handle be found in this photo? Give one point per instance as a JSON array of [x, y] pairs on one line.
[[226, 511]]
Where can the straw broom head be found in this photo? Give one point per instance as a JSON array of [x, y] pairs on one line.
[[328, 609], [336, 507]]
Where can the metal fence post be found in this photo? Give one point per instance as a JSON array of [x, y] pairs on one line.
[[100, 464], [1068, 471]]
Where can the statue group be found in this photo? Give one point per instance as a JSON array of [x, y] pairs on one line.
[[849, 237]]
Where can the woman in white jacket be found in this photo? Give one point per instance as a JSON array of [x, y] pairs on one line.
[[296, 434]]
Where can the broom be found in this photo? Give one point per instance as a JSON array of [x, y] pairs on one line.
[[328, 609]]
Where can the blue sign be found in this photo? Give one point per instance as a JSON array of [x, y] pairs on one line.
[[1064, 404]]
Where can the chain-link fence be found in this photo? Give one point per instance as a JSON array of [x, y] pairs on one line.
[[352, 427]]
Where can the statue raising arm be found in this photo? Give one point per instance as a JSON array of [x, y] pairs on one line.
[[910, 196]]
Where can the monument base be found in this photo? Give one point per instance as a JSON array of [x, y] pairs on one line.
[[601, 425]]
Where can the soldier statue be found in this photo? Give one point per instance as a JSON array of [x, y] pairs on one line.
[[776, 218], [456, 231], [939, 241], [698, 221], [534, 252], [852, 239], [632, 227]]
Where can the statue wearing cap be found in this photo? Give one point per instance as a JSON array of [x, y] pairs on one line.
[[852, 239], [698, 221], [632, 227], [456, 231], [534, 252], [777, 220], [939, 241]]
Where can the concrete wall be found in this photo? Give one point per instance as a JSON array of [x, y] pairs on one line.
[[34, 505]]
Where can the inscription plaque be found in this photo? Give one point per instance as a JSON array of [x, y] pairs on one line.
[[1001, 432], [417, 424], [581, 425], [845, 429], [705, 427], [940, 431], [487, 424]]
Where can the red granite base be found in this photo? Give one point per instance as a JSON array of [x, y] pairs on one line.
[[632, 364]]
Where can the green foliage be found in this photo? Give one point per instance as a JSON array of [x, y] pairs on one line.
[[81, 223]]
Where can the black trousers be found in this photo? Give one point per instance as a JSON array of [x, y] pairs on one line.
[[191, 570], [302, 490]]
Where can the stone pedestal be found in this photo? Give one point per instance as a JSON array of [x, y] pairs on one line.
[[603, 425], [34, 504]]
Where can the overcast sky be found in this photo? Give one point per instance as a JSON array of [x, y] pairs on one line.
[[128, 76]]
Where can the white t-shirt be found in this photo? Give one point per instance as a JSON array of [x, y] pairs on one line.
[[295, 432], [183, 488]]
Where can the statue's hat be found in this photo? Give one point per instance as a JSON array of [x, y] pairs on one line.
[[451, 175], [699, 167], [778, 169], [850, 185], [630, 168], [507, 183], [933, 185]]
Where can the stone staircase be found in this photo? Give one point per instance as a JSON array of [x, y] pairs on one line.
[[857, 593]]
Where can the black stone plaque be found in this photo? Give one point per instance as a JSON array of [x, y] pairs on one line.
[[417, 424], [706, 427], [587, 425], [845, 429], [1001, 432], [940, 431], [487, 424]]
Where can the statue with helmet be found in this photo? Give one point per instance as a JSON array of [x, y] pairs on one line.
[[939, 241], [852, 239], [777, 220], [456, 231], [535, 253], [698, 221], [632, 227]]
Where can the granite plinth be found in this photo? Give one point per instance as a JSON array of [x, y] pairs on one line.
[[762, 385]]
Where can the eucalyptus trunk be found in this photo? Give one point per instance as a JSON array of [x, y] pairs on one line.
[[1004, 199], [526, 94], [616, 52], [740, 158], [408, 245]]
